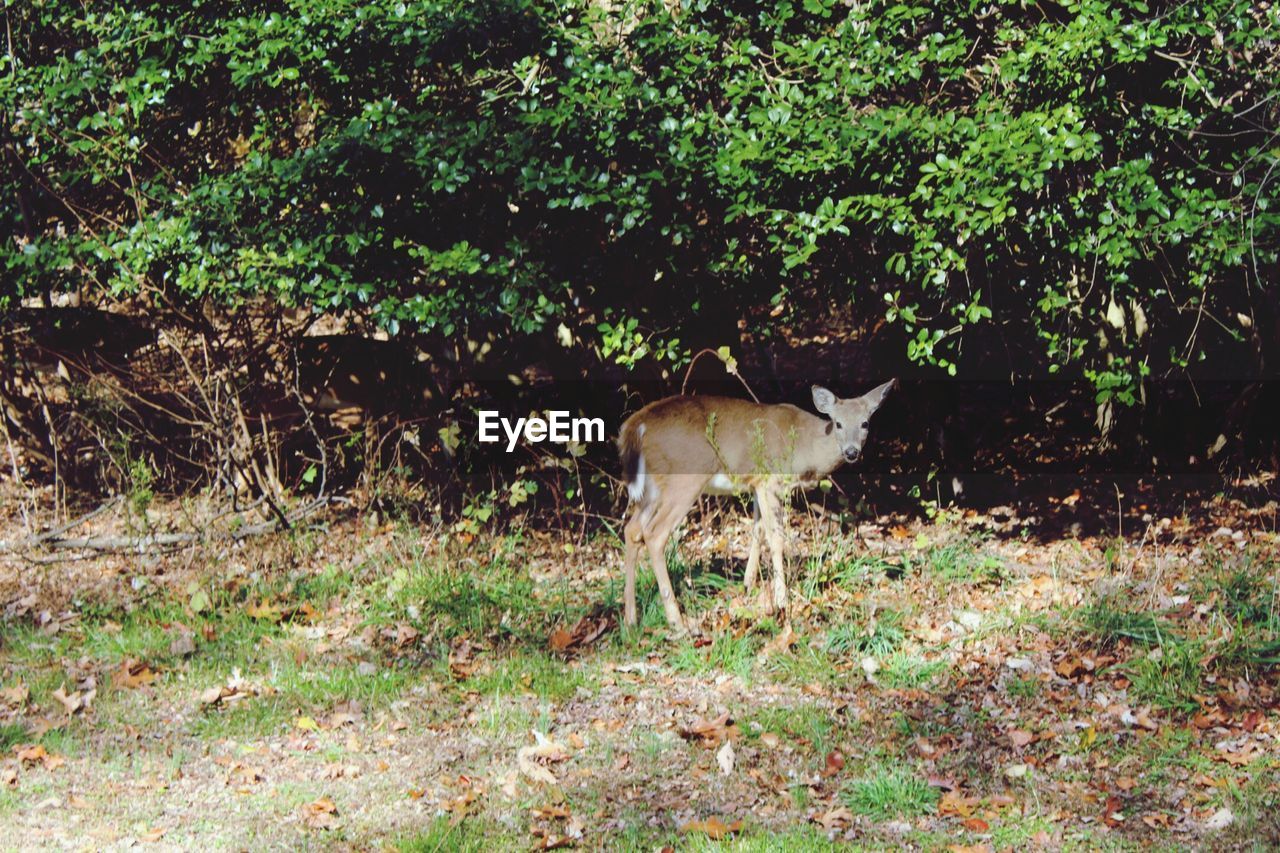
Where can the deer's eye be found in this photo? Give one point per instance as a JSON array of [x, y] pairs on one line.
[[839, 425], [865, 424]]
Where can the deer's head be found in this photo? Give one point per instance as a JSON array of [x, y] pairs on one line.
[[850, 418]]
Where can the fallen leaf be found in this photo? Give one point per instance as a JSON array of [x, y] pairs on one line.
[[956, 804], [183, 645], [1112, 811], [264, 610], [1021, 737], [725, 758], [836, 818], [713, 827], [151, 836], [1239, 758], [834, 764], [584, 632], [36, 754], [527, 758], [132, 674], [71, 702], [1220, 819], [781, 643], [976, 824], [319, 814], [711, 733]]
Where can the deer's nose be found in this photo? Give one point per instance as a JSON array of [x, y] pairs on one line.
[[851, 454]]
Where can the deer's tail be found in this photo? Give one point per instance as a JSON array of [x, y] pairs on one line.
[[633, 469]]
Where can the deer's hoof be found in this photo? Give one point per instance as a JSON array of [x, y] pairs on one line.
[[678, 631], [764, 601]]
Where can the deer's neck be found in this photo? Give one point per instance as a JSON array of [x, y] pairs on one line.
[[817, 453]]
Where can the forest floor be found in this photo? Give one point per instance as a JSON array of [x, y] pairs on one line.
[[952, 683]]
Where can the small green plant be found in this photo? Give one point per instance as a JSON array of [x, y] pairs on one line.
[[889, 791], [1110, 623], [1169, 676], [727, 653], [904, 671], [809, 724], [12, 734], [881, 634], [840, 564], [476, 514], [963, 562], [1021, 687]]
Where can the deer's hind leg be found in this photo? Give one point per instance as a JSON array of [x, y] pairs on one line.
[[634, 539], [677, 496]]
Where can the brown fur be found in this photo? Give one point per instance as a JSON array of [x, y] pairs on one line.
[[675, 449]]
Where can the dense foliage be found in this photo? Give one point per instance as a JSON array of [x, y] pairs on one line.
[[1085, 186]]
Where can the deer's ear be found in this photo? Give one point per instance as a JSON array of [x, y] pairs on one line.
[[823, 400], [877, 394]]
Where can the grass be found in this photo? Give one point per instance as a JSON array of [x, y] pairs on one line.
[[963, 561], [529, 672], [802, 839], [470, 835], [885, 791], [1169, 676], [906, 671], [735, 655], [805, 665], [1023, 687], [1109, 622], [841, 564], [807, 725], [11, 735], [616, 779], [879, 634]]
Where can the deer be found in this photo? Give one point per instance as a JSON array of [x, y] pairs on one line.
[[678, 448]]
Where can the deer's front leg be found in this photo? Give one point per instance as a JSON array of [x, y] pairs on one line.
[[752, 576], [778, 551], [775, 598]]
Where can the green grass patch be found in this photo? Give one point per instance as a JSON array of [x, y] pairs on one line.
[[472, 835], [1169, 675], [1108, 621], [11, 735], [881, 633], [840, 562], [885, 792], [805, 665], [1023, 687], [963, 561], [902, 670], [726, 653], [809, 724], [531, 672]]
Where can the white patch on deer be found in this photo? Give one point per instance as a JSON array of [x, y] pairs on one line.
[[635, 488], [720, 482]]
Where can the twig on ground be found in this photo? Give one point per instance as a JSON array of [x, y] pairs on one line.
[[151, 541]]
